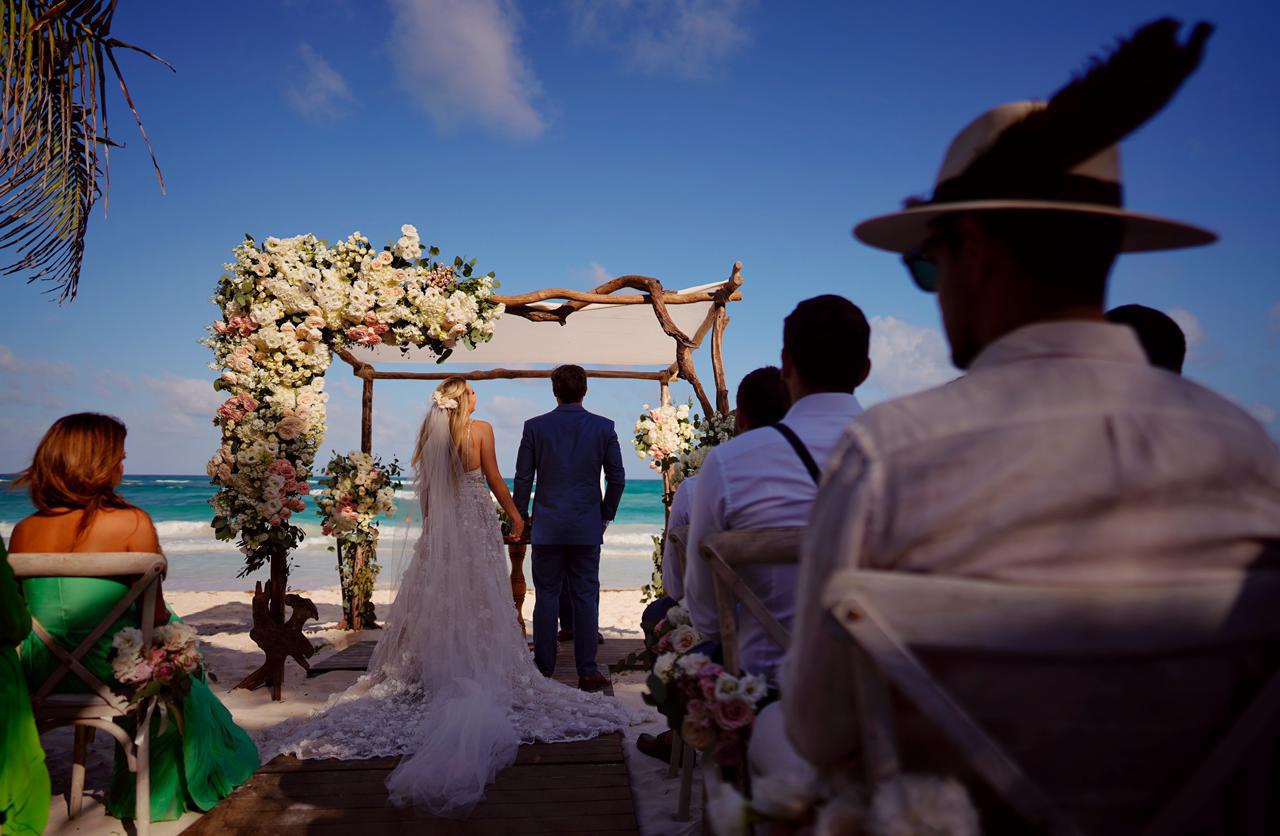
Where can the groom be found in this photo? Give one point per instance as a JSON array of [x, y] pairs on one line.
[[566, 449]]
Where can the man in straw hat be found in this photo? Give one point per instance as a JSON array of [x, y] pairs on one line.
[[1062, 457]]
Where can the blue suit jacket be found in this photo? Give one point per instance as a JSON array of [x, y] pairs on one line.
[[566, 449]]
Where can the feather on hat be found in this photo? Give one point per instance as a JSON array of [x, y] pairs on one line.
[[1061, 155]]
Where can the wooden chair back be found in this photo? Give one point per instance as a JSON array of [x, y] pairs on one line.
[[893, 618], [98, 709], [727, 552]]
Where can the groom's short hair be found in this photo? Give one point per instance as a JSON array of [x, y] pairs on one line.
[[569, 383]]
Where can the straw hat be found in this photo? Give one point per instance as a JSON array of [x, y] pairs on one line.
[[1091, 188], [1060, 155]]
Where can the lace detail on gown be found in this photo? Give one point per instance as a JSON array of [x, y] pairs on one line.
[[451, 685]]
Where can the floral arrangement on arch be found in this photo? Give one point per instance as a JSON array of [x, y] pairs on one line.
[[711, 432], [710, 708], [358, 489], [287, 305], [161, 671], [663, 433]]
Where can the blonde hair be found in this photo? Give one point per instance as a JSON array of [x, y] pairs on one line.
[[75, 466], [455, 389]]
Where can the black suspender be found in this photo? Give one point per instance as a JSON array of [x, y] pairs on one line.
[[803, 452]]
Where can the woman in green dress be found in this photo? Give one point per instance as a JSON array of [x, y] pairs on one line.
[[24, 781], [72, 482]]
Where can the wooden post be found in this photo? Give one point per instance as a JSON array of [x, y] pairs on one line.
[[717, 358], [366, 417]]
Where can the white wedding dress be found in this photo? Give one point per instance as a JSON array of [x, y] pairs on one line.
[[451, 686]]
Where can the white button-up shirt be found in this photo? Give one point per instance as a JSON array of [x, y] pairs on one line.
[[758, 481], [1062, 457], [673, 565]]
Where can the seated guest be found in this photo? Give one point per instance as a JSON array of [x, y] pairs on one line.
[[72, 483], [1062, 457], [24, 780], [1162, 340], [768, 478], [762, 400]]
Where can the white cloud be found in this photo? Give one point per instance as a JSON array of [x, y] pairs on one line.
[[189, 401], [506, 413], [686, 38], [1191, 328], [599, 275], [46, 370], [1265, 413], [907, 358], [462, 61], [320, 91]]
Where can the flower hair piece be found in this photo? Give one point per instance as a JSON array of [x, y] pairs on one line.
[[442, 402]]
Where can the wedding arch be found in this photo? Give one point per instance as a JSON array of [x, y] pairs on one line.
[[290, 305]]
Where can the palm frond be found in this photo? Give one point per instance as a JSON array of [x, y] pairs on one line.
[[54, 137]]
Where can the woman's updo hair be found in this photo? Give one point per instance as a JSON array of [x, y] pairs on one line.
[[75, 465]]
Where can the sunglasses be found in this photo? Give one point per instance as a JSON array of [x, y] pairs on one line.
[[921, 266]]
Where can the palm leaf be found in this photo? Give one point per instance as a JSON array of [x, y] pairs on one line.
[[54, 136]]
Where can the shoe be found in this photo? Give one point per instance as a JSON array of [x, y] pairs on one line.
[[593, 682], [599, 639], [565, 636], [655, 746]]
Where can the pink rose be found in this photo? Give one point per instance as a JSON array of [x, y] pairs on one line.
[[734, 714], [707, 685], [156, 655], [710, 669], [142, 672], [165, 671], [290, 428], [275, 521], [697, 709]]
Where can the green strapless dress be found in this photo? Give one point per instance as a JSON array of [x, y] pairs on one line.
[[193, 770], [24, 781]]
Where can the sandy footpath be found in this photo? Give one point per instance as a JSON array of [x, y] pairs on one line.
[[223, 620]]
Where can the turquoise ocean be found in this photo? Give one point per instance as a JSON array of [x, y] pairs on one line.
[[198, 562]]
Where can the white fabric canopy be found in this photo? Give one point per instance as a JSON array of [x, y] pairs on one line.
[[597, 335]]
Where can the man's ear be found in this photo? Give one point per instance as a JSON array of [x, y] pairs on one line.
[[865, 374]]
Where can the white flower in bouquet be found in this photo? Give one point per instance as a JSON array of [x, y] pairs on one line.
[[726, 809], [782, 795], [753, 688], [691, 663], [933, 806], [128, 641], [677, 616], [664, 666], [175, 635], [728, 688], [684, 638]]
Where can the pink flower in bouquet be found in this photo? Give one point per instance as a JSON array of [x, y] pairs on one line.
[[664, 644], [156, 656], [275, 521], [290, 428], [698, 710], [142, 672], [164, 671], [243, 325], [710, 669], [733, 714], [282, 467], [707, 687]]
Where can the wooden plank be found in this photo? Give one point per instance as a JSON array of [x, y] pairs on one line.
[[353, 658]]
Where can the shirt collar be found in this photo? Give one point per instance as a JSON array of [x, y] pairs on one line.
[[825, 403], [1074, 338]]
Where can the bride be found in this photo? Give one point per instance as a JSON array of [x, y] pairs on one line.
[[451, 685]]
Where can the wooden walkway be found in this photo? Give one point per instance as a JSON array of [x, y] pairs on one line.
[[552, 788]]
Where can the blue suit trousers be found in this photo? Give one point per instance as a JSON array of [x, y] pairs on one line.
[[552, 566]]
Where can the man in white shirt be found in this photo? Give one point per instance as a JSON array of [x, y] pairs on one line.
[[766, 479], [1062, 456], [673, 564]]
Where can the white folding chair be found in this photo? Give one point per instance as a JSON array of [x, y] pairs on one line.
[[890, 616], [99, 708]]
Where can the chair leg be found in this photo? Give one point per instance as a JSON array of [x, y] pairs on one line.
[[677, 750], [142, 794], [80, 752], [686, 783]]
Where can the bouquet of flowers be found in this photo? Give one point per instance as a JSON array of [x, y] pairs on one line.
[[711, 431], [358, 488], [161, 670], [662, 434]]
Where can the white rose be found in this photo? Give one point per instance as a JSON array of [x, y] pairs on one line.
[[665, 666], [409, 231], [684, 638], [677, 616], [691, 663]]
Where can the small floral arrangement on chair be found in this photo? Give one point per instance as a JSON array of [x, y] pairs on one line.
[[161, 671], [710, 708]]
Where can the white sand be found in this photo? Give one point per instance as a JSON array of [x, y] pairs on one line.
[[224, 619]]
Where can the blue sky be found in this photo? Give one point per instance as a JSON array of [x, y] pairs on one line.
[[561, 141]]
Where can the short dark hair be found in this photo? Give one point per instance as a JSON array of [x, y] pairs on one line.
[[828, 340], [569, 383], [1162, 339], [1069, 255], [762, 397]]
